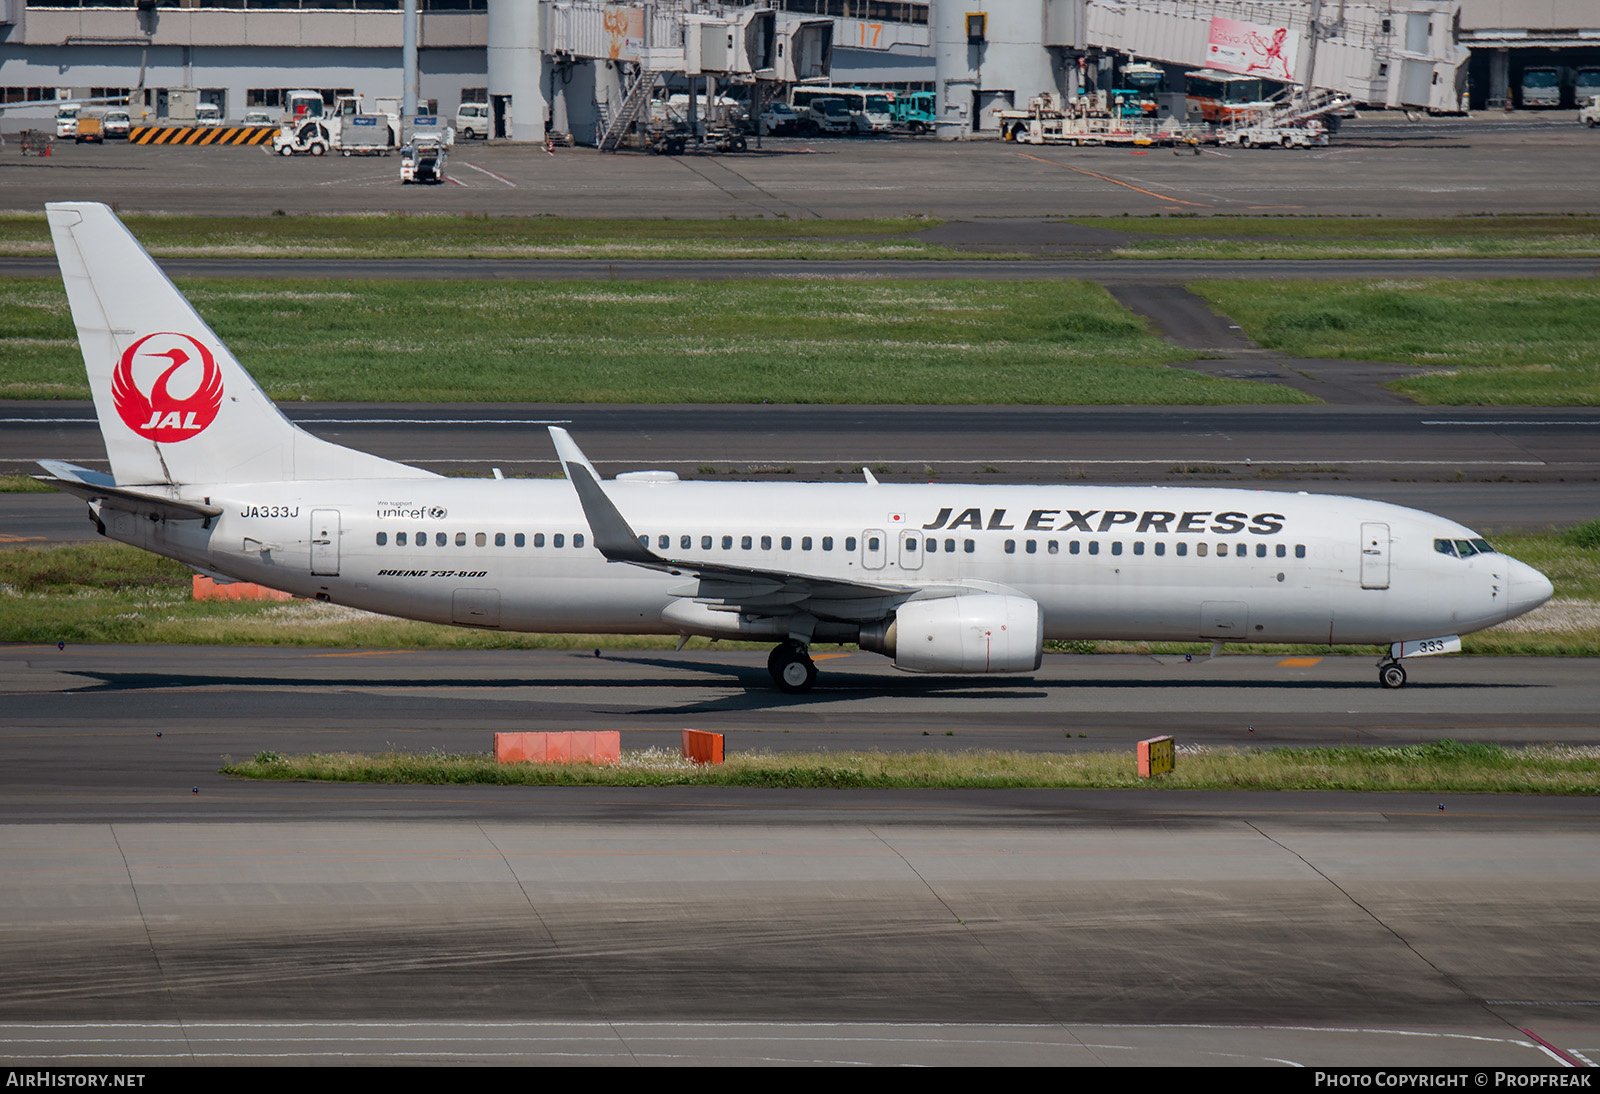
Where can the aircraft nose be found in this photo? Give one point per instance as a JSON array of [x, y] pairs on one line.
[[1526, 589]]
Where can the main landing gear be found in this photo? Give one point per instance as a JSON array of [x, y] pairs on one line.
[[791, 667], [1391, 674]]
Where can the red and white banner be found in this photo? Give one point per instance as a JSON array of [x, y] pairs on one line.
[[1254, 49]]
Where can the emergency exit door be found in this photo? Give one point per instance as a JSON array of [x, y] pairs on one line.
[[1374, 556]]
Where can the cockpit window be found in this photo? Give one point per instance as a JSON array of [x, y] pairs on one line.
[[1483, 547], [1444, 546], [1465, 548], [1462, 548]]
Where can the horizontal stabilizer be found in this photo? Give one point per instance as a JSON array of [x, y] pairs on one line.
[[96, 486]]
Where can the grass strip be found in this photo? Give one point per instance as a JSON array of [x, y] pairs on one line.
[[400, 235], [1447, 766], [110, 592], [1493, 342], [779, 341]]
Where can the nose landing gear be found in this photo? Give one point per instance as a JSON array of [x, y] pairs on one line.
[[791, 667]]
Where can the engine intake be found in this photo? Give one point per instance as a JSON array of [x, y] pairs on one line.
[[972, 633]]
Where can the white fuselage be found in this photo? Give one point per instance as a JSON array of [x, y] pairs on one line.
[[1177, 563]]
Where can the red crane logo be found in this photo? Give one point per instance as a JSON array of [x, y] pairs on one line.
[[151, 409]]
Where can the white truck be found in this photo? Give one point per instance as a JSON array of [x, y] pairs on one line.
[[1590, 113], [472, 121]]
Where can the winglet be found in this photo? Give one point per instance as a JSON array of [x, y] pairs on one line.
[[612, 535], [568, 452]]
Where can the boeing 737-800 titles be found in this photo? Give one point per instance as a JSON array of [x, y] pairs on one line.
[[941, 578]]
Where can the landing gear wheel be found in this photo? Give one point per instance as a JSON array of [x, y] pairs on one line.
[[791, 668], [1392, 675]]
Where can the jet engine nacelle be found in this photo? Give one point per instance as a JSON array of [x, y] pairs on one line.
[[976, 632]]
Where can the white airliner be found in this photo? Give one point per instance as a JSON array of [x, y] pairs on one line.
[[942, 578]]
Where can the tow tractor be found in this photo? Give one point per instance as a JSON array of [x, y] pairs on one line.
[[311, 137], [422, 160]]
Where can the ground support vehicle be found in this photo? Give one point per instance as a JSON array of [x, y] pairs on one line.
[[67, 120], [365, 135], [1590, 114], [913, 111], [90, 128], [1049, 127], [422, 160], [34, 142], [311, 138], [472, 121], [1267, 134], [116, 125]]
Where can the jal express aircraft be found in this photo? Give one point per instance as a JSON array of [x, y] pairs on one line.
[[941, 578]]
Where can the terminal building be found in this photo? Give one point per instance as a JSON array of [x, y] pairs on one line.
[[574, 65]]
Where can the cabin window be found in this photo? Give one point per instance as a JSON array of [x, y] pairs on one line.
[[1299, 550], [1011, 546], [1200, 550], [1222, 550], [1161, 549], [849, 543], [1116, 547], [911, 545], [644, 541], [686, 542], [521, 540], [1033, 546], [1261, 550], [538, 539], [399, 539], [705, 543], [1072, 548], [786, 543], [577, 540], [663, 542], [968, 546], [1282, 550], [480, 540], [1094, 546], [949, 546], [827, 543], [744, 542], [766, 543], [1138, 547], [1241, 550], [874, 544], [1182, 548], [461, 539], [558, 540], [383, 538], [440, 539], [805, 543], [1055, 547], [499, 539], [422, 539], [727, 543]]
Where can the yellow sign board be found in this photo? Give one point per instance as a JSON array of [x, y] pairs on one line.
[[1157, 756]]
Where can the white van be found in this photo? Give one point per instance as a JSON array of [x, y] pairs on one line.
[[207, 114], [472, 120], [67, 119]]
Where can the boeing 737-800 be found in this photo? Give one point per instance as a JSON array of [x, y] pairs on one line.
[[941, 578]]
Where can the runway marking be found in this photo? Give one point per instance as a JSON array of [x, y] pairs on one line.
[[6, 537], [770, 461], [1550, 1049], [1511, 421], [1298, 662], [491, 174], [427, 421], [1118, 182], [362, 653]]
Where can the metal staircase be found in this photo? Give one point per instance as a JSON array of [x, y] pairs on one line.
[[637, 100]]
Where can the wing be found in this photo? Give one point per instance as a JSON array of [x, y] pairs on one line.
[[747, 589]]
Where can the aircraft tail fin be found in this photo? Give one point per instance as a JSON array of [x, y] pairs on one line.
[[174, 404]]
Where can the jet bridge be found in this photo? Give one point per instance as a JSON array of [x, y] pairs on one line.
[[1397, 53], [601, 61]]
